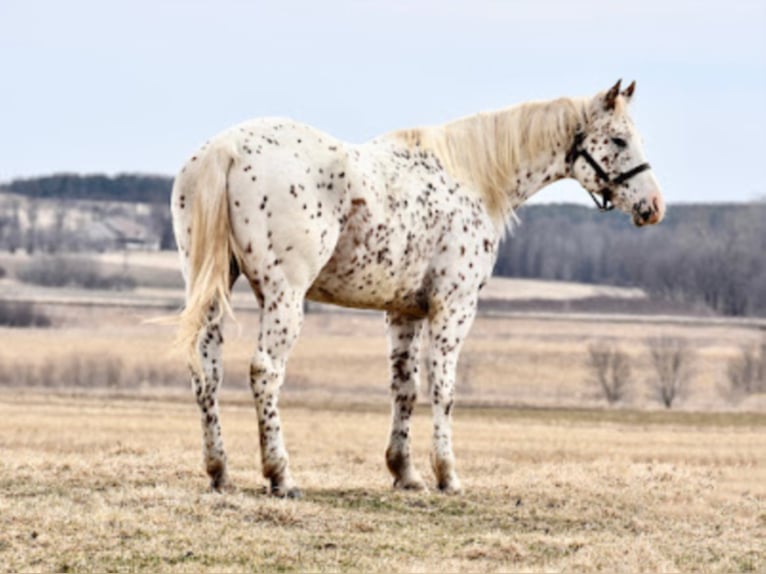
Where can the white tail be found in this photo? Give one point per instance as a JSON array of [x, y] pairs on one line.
[[210, 244]]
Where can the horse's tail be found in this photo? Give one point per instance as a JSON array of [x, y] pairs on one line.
[[206, 234]]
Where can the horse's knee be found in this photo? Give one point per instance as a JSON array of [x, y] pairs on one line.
[[204, 391], [264, 379], [207, 367], [209, 341]]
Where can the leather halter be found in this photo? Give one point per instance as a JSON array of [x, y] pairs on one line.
[[607, 191]]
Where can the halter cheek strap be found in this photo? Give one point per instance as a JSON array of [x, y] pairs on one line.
[[606, 192]]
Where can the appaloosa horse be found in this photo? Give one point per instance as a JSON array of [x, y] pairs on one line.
[[408, 223]]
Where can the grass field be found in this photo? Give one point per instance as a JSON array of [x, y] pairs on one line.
[[505, 361], [100, 462], [99, 484]]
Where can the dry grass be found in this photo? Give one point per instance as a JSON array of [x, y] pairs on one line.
[[505, 361], [96, 484], [93, 482]]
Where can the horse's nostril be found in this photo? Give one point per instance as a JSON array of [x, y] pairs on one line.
[[646, 215]]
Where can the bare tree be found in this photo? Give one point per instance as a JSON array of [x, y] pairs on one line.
[[57, 233], [609, 368], [672, 359], [32, 217], [161, 224], [13, 237], [747, 373]]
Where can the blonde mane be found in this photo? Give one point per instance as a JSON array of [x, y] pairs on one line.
[[488, 149]]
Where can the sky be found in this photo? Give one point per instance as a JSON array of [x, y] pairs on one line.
[[135, 86]]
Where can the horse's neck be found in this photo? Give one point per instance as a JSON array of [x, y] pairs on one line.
[[536, 173], [506, 155], [514, 171]]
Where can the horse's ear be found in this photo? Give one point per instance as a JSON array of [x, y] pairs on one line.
[[610, 98], [628, 92]]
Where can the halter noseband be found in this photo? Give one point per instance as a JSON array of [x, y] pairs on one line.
[[607, 191]]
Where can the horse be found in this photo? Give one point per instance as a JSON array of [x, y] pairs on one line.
[[408, 223]]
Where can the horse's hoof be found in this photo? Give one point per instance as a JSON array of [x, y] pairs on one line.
[[293, 493], [222, 486], [413, 484], [451, 488], [219, 478], [280, 490], [220, 483]]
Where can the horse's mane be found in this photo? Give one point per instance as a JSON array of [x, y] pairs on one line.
[[487, 150]]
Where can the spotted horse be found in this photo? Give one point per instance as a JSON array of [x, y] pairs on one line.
[[408, 223]]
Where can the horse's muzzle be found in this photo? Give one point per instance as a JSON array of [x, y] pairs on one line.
[[649, 212]]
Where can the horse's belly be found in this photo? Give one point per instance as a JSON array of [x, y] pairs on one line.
[[352, 283]]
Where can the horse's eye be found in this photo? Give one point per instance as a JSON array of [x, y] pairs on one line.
[[619, 142]]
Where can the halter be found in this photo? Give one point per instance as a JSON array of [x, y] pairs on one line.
[[607, 191]]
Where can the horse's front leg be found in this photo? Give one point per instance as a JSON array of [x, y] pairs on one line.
[[447, 330], [404, 355]]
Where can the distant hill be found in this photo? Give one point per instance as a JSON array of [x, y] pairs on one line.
[[131, 188], [712, 255]]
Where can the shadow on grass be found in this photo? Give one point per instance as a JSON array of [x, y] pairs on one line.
[[390, 501], [380, 501]]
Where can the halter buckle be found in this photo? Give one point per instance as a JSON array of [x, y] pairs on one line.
[[606, 200]]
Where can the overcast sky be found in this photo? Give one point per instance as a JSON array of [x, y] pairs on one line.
[[112, 86]]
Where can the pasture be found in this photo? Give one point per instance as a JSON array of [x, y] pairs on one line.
[[538, 361], [101, 464], [102, 484]]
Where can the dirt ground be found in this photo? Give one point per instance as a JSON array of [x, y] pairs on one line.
[[103, 484]]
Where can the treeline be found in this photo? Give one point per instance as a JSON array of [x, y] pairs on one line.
[[714, 254], [711, 254], [125, 187]]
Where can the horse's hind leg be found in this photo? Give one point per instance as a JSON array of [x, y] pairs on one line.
[[281, 319], [205, 387], [404, 355]]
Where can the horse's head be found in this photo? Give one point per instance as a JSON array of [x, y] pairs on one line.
[[608, 160]]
